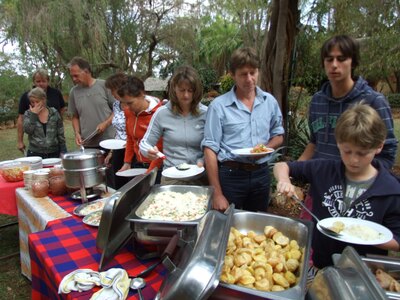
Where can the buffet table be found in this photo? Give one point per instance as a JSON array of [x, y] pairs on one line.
[[60, 243], [8, 205]]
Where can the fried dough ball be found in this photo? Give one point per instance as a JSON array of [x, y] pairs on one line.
[[277, 288], [269, 231], [292, 264], [262, 285], [279, 279]]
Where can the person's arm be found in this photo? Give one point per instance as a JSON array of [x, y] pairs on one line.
[[77, 129], [20, 132], [104, 125], [275, 142], [284, 184], [211, 161], [308, 152], [392, 245], [61, 135]]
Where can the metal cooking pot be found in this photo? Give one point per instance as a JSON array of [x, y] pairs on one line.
[[84, 168]]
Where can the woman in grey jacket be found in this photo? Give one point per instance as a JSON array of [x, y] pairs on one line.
[[180, 123]]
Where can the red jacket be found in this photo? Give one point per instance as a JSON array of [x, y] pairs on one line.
[[136, 126]]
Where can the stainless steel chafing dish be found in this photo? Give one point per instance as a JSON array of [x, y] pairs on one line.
[[198, 275], [159, 232], [349, 278]]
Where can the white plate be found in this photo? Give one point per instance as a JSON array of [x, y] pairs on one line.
[[247, 152], [131, 172], [385, 234], [113, 144], [49, 162], [174, 173], [93, 219], [87, 208]]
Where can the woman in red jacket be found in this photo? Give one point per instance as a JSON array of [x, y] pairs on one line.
[[138, 112]]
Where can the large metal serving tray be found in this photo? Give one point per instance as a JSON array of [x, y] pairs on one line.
[[387, 264], [198, 277], [137, 212]]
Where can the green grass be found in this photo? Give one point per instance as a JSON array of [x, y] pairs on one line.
[[8, 138]]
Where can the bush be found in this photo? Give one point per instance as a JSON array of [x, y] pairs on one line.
[[394, 100], [226, 83]]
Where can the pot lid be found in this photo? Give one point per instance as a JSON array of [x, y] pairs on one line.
[[198, 276], [83, 154]]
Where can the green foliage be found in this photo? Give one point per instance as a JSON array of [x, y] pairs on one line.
[[394, 100], [208, 77], [227, 83], [297, 131]]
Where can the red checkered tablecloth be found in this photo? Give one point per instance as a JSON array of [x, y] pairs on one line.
[[67, 245]]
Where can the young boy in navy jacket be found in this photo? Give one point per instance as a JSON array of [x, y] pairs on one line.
[[357, 186]]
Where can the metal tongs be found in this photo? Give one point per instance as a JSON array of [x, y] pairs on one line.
[[327, 230], [89, 137]]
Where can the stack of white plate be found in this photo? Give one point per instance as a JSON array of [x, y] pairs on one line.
[[51, 162], [35, 162]]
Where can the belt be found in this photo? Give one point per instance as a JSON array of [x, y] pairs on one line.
[[243, 166]]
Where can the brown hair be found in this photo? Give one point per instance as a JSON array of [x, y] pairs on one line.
[[133, 87], [42, 73], [189, 75], [349, 47], [243, 57], [37, 93], [361, 125], [82, 63], [115, 81]]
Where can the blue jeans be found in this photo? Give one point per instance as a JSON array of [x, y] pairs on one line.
[[248, 190]]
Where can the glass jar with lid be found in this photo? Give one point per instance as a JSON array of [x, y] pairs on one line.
[[40, 187]]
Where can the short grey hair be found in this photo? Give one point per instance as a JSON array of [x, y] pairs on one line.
[[42, 73], [37, 93]]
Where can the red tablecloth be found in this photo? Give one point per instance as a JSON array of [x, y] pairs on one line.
[[8, 204], [68, 244]]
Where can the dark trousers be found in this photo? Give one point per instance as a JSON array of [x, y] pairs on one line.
[[43, 155], [248, 190]]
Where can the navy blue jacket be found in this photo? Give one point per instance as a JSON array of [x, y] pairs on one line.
[[380, 203], [324, 111]]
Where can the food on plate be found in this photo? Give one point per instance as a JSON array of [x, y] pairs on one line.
[[183, 167], [337, 226], [386, 281], [13, 171], [93, 218], [175, 206], [357, 230], [260, 148], [267, 262], [92, 207]]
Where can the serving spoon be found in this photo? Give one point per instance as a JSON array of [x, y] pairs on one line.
[[138, 283], [325, 229]]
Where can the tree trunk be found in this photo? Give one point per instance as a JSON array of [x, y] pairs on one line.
[[277, 50]]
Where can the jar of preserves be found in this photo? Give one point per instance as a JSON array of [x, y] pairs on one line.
[[56, 171], [40, 187], [57, 185]]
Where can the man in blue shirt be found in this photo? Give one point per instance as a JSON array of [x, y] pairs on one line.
[[244, 117]]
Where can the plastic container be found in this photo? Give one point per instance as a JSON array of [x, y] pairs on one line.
[[13, 171]]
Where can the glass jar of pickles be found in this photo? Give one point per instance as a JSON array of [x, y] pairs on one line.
[[57, 185]]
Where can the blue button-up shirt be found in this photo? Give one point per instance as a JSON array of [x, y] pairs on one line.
[[231, 125]]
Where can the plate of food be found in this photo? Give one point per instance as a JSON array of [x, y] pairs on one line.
[[183, 171], [113, 144], [89, 207], [258, 150], [93, 219], [356, 231], [131, 172]]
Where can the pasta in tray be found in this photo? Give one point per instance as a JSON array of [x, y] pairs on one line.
[[175, 206]]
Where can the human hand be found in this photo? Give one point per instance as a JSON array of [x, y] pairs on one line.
[[36, 108], [108, 158], [220, 203], [152, 153], [125, 167], [286, 188], [78, 139], [21, 147], [101, 127]]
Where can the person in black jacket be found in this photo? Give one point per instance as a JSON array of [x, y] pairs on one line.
[[358, 186]]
